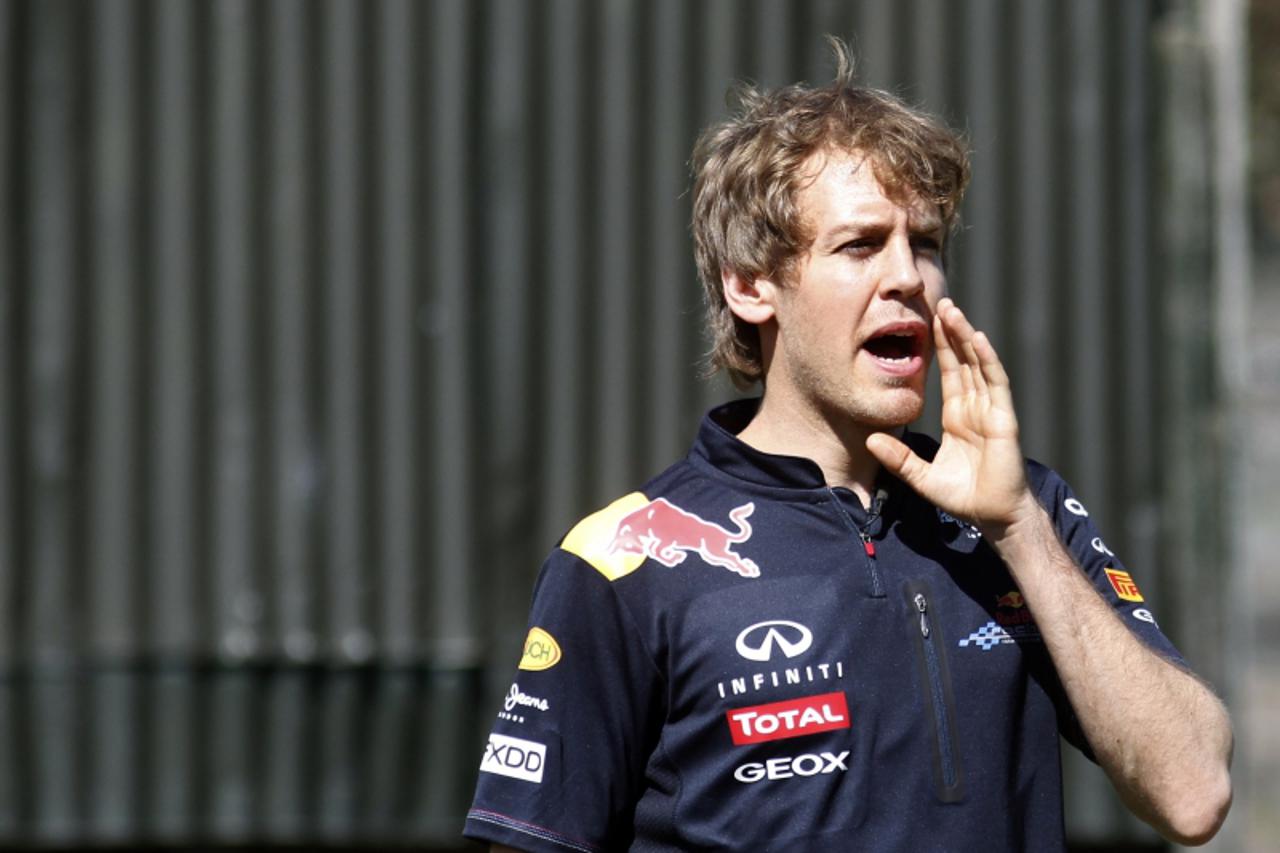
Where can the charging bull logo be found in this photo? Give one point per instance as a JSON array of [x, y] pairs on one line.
[[665, 532], [1011, 609], [1012, 598]]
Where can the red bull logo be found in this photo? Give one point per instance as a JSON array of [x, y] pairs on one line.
[[664, 532], [1013, 598], [1011, 609]]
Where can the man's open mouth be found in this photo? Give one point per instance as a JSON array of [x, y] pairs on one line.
[[898, 342]]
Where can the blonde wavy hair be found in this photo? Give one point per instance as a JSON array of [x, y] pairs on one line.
[[748, 171]]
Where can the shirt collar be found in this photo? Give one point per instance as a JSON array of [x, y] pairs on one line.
[[718, 444]]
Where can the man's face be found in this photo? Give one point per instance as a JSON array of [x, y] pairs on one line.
[[854, 319]]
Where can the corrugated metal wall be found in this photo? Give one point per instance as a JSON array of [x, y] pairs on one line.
[[319, 322]]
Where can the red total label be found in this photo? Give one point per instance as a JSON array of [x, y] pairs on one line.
[[792, 718]]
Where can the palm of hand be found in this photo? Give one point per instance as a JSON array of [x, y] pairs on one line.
[[978, 473]]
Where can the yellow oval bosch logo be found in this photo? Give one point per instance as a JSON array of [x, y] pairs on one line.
[[541, 651]]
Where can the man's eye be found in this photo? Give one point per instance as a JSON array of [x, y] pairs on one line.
[[926, 244], [861, 246]]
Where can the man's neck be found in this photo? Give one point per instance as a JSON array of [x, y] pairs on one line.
[[838, 446]]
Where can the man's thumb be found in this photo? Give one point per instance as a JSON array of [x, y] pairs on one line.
[[897, 458]]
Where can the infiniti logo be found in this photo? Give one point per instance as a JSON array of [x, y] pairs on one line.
[[756, 642]]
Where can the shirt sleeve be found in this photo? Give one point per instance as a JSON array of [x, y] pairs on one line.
[[565, 760], [1079, 533]]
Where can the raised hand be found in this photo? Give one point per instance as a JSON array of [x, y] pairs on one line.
[[978, 473]]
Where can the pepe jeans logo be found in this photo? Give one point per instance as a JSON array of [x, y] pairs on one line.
[[515, 697], [757, 642]]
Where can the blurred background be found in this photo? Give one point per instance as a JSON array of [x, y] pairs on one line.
[[320, 322]]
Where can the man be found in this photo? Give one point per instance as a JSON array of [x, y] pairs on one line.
[[819, 631]]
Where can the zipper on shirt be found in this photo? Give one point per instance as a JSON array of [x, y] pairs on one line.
[[864, 535], [948, 771]]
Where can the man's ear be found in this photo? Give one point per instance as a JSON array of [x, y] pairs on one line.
[[750, 299]]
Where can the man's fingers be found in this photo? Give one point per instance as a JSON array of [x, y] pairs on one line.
[[898, 459], [960, 348], [961, 333], [948, 364], [998, 384]]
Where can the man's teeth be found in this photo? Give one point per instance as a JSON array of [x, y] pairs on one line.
[[893, 348]]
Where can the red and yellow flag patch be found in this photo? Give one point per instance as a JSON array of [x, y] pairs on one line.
[[1123, 584]]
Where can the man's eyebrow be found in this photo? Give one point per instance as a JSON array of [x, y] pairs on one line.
[[862, 225], [925, 224]]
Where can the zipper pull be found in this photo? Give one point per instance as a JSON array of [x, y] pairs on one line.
[[922, 605], [867, 544]]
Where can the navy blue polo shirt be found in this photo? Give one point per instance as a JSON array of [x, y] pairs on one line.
[[739, 657]]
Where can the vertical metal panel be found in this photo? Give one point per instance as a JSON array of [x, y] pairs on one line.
[[718, 63], [294, 463], [872, 38], [12, 769], [236, 597], [671, 290], [979, 284], [388, 731], [1086, 229], [1034, 274], [345, 535], [770, 54], [11, 117], [175, 320], [825, 17], [10, 104], [320, 322], [340, 776], [10, 416], [294, 460], [49, 635], [48, 404], [455, 609], [505, 322], [52, 734], [114, 331], [932, 42], [112, 777], [614, 259], [564, 347], [1140, 328], [175, 607], [442, 787], [286, 790], [114, 774], [231, 749], [394, 309], [171, 762]]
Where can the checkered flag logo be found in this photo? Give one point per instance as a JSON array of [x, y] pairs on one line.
[[987, 637]]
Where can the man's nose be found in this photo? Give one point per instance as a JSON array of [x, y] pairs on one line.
[[902, 278]]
